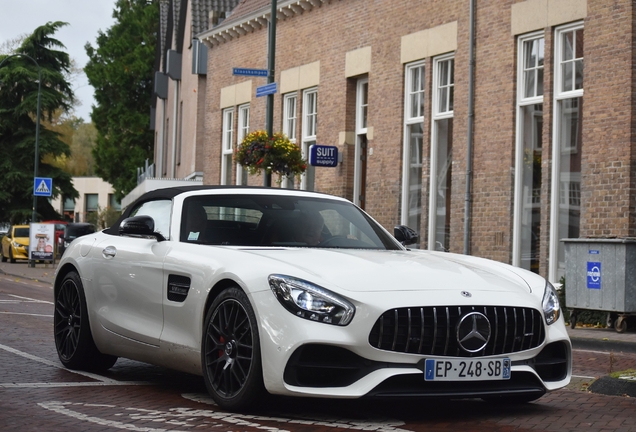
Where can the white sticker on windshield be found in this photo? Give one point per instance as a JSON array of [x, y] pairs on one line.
[[193, 236]]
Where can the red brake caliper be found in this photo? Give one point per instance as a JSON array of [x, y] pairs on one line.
[[222, 350]]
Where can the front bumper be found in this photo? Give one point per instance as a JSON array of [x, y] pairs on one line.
[[21, 252], [305, 358]]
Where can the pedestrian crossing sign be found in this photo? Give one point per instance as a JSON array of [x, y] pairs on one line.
[[42, 186]]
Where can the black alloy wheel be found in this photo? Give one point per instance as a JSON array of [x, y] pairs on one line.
[[231, 351], [73, 340]]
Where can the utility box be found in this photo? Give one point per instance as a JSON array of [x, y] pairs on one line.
[[600, 274]]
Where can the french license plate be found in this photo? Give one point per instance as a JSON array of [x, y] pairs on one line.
[[467, 369]]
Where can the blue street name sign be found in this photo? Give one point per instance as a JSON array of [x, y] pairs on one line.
[[323, 156], [249, 72], [267, 89], [42, 186]]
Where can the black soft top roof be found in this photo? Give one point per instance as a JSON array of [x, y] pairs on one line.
[[170, 193]]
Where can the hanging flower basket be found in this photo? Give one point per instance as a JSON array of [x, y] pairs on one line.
[[275, 155]]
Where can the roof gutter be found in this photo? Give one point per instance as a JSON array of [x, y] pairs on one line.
[[231, 28]]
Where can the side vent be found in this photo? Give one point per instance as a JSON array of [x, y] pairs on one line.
[[178, 287]]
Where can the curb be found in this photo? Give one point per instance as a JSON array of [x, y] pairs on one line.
[[602, 345], [613, 387]]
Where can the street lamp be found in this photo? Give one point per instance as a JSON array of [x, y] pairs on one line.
[[34, 214]]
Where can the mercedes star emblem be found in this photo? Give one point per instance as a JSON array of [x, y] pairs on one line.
[[473, 332]]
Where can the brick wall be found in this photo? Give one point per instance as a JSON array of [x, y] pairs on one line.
[[328, 32]]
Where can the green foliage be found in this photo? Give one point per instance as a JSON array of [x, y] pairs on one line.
[[18, 107], [121, 71], [107, 217]]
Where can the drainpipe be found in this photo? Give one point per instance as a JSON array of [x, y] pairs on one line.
[[469, 141], [175, 126]]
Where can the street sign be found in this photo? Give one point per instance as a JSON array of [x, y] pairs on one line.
[[42, 186], [249, 72], [267, 89], [323, 156]]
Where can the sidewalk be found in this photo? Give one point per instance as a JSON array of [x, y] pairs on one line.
[[41, 272], [582, 338]]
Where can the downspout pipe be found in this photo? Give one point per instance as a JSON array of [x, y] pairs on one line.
[[469, 141]]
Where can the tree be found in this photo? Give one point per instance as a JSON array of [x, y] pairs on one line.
[[18, 107], [121, 71]]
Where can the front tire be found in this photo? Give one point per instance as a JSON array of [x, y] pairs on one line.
[[11, 259], [4, 258], [231, 354], [73, 339]]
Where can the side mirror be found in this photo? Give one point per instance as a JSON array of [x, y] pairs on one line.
[[405, 235], [143, 226]]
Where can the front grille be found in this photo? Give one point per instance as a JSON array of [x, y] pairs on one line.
[[432, 330]]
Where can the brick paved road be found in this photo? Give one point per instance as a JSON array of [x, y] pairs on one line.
[[36, 393]]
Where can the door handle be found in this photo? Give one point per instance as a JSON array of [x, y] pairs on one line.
[[109, 252]]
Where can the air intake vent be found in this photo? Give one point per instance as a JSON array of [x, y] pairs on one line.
[[432, 330], [178, 287]]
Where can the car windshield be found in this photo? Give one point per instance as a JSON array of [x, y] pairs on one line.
[[274, 220], [72, 232], [21, 232]]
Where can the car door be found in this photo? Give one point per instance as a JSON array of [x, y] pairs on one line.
[[128, 277]]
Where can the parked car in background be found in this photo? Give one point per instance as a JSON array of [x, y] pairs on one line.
[[71, 232], [59, 229], [15, 244], [302, 294]]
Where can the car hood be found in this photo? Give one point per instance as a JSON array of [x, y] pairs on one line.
[[21, 240], [368, 270]]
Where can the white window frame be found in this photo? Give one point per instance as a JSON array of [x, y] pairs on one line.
[[519, 143], [559, 96], [288, 99], [361, 129], [362, 108], [227, 139], [309, 130], [436, 115], [290, 122], [409, 120], [243, 129]]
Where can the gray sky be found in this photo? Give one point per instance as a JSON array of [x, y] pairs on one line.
[[84, 17]]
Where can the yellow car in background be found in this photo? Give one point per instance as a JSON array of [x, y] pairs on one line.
[[15, 244]]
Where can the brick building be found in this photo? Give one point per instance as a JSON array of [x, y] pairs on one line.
[[497, 157]]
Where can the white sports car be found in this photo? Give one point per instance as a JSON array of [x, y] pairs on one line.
[[302, 294]]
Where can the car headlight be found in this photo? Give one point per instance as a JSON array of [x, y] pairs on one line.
[[310, 301], [551, 306], [17, 245]]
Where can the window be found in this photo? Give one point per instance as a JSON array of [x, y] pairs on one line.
[[567, 149], [159, 210], [289, 116], [226, 146], [413, 142], [113, 203], [309, 125], [290, 103], [441, 154], [91, 207], [243, 130], [69, 209], [361, 144], [362, 106], [526, 237]]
